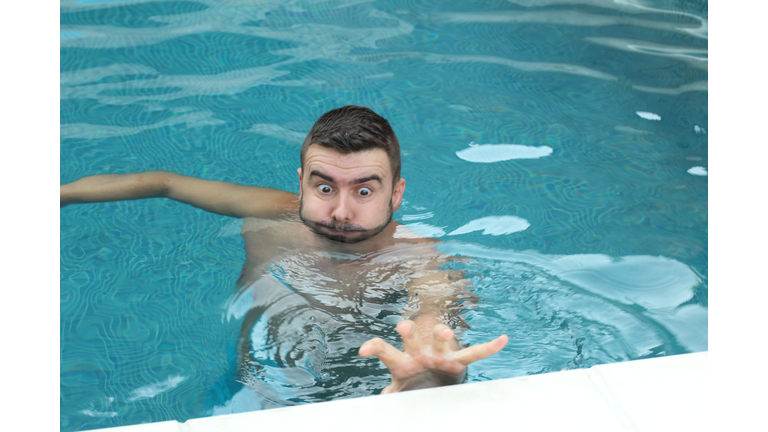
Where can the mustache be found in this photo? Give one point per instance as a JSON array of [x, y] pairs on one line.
[[344, 226]]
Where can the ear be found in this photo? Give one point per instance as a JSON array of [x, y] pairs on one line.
[[397, 194], [300, 183]]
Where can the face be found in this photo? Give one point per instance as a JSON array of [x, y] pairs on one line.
[[347, 198]]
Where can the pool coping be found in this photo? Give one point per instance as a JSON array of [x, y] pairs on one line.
[[659, 394]]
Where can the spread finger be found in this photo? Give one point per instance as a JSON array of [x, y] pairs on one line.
[[388, 354], [411, 341], [441, 335], [479, 352]]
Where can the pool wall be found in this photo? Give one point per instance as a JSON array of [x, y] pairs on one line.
[[659, 394]]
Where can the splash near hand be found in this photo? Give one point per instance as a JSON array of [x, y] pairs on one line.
[[427, 362]]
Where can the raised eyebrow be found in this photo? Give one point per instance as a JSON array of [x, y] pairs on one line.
[[355, 181], [322, 176], [369, 178]]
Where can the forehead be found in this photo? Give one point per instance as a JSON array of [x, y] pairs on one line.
[[347, 166]]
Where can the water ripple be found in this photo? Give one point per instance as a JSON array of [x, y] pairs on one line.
[[611, 265]]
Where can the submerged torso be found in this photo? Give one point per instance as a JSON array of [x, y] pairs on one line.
[[307, 306]]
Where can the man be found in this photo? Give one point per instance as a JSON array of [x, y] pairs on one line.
[[324, 265]]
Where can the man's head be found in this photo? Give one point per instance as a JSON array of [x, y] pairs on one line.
[[351, 129], [350, 175]]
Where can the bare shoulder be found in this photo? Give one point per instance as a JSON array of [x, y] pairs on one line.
[[434, 258], [425, 247], [404, 234], [281, 225], [267, 238]]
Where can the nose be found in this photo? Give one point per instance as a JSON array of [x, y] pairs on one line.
[[342, 210]]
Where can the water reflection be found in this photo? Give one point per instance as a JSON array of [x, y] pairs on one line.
[[488, 153], [562, 76], [569, 311]]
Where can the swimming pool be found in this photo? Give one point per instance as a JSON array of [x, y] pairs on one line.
[[560, 146]]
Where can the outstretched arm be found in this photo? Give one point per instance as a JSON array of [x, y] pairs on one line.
[[223, 198], [431, 356]]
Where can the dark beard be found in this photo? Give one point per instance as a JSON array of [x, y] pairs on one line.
[[364, 234]]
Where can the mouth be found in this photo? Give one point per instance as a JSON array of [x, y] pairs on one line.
[[342, 235], [339, 232], [332, 231], [342, 232]]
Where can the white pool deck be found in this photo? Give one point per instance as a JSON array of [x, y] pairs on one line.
[[660, 394]]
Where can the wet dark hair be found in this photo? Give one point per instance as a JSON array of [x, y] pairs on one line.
[[352, 129]]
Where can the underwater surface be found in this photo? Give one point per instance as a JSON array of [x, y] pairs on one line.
[[559, 147]]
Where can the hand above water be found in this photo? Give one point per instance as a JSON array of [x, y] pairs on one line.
[[427, 361]]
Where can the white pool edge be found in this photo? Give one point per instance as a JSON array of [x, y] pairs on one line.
[[659, 394]]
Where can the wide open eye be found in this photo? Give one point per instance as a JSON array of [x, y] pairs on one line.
[[324, 189], [364, 192]]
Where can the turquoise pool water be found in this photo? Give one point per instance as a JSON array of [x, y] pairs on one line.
[[560, 146]]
